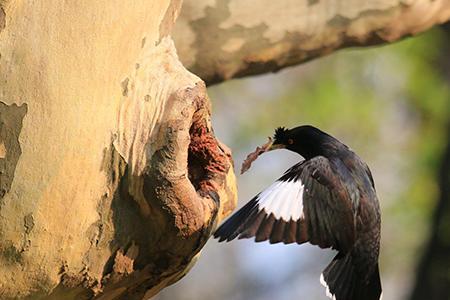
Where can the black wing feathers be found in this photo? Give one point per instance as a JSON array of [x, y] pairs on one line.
[[234, 225], [334, 210], [327, 219]]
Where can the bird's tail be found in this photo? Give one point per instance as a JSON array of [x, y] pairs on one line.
[[343, 282]]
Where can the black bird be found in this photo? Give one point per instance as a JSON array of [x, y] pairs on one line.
[[327, 199]]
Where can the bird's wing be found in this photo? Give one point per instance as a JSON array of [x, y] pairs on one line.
[[308, 203]]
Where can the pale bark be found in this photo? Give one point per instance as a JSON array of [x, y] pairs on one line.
[[219, 40], [109, 169]]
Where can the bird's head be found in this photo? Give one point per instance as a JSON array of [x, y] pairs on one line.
[[307, 140], [281, 139]]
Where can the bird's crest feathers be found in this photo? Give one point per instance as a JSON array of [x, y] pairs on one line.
[[280, 132]]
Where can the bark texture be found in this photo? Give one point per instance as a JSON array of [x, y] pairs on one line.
[[219, 40], [111, 179]]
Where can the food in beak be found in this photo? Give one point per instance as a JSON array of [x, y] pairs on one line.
[[254, 155]]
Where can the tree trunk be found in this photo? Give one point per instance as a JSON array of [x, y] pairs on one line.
[[110, 174], [219, 40]]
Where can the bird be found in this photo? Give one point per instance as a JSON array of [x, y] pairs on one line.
[[327, 199]]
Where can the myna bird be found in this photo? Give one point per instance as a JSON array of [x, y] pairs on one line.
[[329, 200]]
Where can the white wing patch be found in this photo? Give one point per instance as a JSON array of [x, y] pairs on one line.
[[327, 292], [284, 199]]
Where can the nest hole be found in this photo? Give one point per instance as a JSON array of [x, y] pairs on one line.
[[206, 161]]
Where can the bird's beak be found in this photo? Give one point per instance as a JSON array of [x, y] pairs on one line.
[[276, 146]]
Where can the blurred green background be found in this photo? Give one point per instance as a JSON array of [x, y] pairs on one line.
[[391, 104]]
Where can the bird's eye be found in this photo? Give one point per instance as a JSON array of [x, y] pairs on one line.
[[290, 141]]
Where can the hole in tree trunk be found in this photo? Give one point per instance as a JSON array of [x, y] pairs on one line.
[[206, 161]]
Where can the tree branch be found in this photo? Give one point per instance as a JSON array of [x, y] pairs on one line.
[[219, 40]]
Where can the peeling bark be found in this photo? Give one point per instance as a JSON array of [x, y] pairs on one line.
[[11, 117], [219, 40], [111, 177]]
